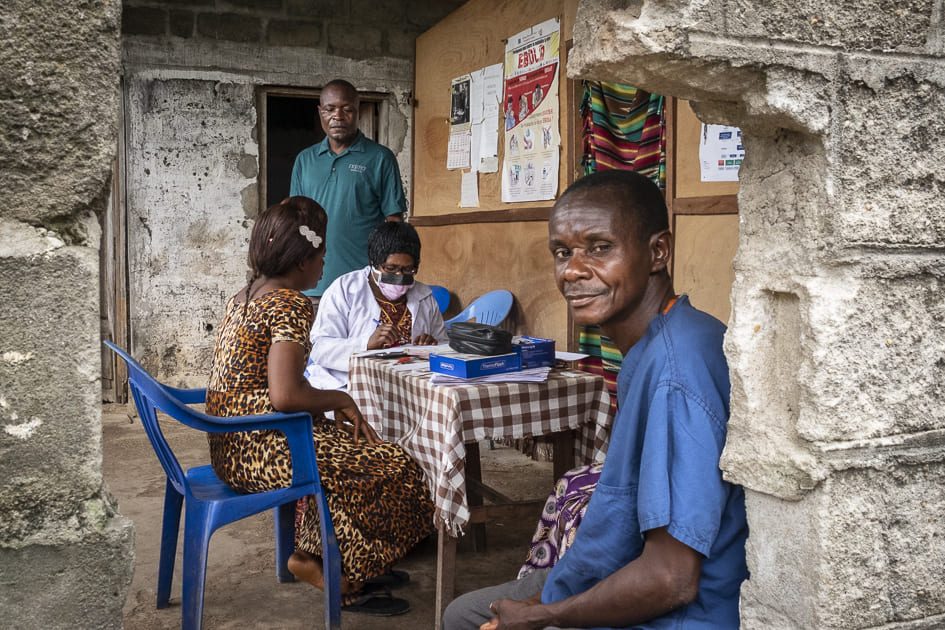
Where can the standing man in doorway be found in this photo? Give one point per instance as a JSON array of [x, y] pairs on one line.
[[355, 179]]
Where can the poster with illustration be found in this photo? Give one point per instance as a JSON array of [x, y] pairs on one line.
[[531, 112]]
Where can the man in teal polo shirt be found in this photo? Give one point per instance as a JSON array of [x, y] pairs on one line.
[[355, 179]]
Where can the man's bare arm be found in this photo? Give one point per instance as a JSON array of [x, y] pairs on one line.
[[664, 577]]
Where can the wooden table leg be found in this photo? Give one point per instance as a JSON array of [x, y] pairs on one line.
[[445, 572], [563, 452], [473, 497]]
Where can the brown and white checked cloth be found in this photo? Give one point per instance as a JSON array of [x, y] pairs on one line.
[[432, 423]]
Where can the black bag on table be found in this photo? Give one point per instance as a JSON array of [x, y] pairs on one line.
[[474, 338]]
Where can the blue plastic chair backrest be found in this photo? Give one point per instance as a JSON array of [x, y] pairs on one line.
[[490, 308], [151, 396], [442, 296]]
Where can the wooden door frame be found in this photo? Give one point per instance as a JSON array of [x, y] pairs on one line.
[[113, 272]]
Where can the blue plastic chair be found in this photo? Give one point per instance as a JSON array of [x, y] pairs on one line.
[[210, 504], [442, 297], [490, 308]]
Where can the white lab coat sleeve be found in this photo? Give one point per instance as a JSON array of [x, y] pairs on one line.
[[343, 324], [426, 314], [436, 327]]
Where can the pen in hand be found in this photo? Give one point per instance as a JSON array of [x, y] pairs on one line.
[[403, 340]]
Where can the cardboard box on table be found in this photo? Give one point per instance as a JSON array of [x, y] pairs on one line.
[[535, 351], [472, 365]]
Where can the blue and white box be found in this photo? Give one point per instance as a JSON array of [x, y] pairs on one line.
[[535, 351], [472, 365]]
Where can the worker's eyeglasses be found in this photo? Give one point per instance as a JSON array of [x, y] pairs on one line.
[[330, 110], [407, 271]]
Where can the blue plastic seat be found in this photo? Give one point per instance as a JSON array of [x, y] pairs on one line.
[[442, 296], [210, 504], [490, 308]]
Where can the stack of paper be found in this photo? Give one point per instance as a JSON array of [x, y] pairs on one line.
[[533, 375]]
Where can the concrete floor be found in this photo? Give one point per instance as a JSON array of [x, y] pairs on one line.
[[241, 589]]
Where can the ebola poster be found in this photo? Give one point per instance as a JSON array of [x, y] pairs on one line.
[[530, 110]]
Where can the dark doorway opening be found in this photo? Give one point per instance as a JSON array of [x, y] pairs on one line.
[[291, 126]]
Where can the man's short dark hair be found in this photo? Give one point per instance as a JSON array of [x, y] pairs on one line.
[[639, 198], [393, 237], [341, 84]]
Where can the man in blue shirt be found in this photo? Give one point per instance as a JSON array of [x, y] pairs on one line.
[[662, 543], [355, 179]]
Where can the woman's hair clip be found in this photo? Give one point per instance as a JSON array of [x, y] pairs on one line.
[[310, 236]]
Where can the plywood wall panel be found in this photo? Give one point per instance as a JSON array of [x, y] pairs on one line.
[[471, 259], [705, 247]]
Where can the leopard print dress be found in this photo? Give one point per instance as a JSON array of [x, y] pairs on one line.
[[380, 506]]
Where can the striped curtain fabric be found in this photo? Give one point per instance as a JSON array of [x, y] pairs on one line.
[[623, 128]]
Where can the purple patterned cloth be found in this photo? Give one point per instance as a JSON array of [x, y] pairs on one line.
[[560, 517]]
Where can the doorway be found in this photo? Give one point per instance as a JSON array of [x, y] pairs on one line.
[[288, 123]]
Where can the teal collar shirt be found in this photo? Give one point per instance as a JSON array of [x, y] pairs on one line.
[[358, 188]]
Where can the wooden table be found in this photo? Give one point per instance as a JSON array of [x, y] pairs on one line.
[[441, 426]]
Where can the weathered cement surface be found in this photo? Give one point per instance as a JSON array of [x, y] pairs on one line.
[[191, 73], [188, 228], [66, 555], [836, 337]]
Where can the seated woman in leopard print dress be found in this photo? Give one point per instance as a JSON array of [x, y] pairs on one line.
[[379, 503]]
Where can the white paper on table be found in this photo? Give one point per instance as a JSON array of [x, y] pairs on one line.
[[413, 366], [469, 196], [409, 348], [531, 375], [570, 356]]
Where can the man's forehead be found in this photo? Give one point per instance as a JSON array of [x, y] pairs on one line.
[[338, 92], [597, 211], [596, 202]]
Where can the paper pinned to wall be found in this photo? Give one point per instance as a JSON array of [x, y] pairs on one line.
[[489, 79], [469, 198], [460, 142], [720, 153]]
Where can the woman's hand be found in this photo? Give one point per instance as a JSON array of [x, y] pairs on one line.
[[425, 340], [349, 418], [384, 337]]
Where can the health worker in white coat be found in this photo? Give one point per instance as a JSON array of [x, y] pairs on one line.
[[379, 306]]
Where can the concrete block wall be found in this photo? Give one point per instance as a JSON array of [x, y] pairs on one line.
[[66, 554], [191, 72], [836, 342]]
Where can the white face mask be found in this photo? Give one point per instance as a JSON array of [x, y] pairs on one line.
[[393, 285]]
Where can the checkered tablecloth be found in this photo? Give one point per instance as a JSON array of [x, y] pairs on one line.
[[432, 423]]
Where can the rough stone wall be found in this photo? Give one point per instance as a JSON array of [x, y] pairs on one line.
[[191, 71], [66, 555], [836, 342]]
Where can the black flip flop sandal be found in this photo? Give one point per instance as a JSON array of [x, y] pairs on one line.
[[392, 579], [378, 604]]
